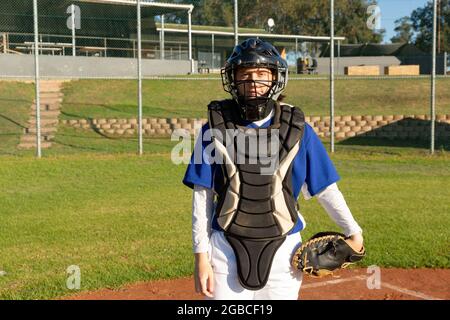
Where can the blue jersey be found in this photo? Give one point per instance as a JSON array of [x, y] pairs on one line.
[[312, 166]]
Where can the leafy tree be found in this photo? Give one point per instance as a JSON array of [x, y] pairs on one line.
[[304, 17], [422, 22], [404, 30]]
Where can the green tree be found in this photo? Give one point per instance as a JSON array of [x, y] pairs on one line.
[[312, 18], [422, 22], [303, 17], [354, 25], [404, 30], [206, 12]]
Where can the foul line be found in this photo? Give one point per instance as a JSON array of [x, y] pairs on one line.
[[409, 292], [416, 294], [337, 281]]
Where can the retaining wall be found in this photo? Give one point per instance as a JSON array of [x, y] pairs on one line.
[[390, 126]]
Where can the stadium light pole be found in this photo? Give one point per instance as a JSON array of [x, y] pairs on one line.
[[236, 37], [332, 76], [37, 80], [433, 80], [139, 74]]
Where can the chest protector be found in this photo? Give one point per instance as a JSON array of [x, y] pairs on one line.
[[256, 210]]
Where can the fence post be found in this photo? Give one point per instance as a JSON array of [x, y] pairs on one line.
[[139, 71], [190, 39], [445, 63], [4, 42], [332, 75], [236, 36], [433, 80], [338, 57], [162, 38], [74, 48], [37, 80], [212, 51]]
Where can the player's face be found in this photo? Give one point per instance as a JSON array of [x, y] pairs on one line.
[[254, 82]]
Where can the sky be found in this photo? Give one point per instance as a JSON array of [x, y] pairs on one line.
[[392, 10]]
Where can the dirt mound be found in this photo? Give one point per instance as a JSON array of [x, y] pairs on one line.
[[354, 284]]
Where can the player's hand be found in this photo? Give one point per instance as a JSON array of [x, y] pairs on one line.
[[356, 242], [204, 276]]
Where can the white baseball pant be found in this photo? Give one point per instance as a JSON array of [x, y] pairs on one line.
[[284, 281]]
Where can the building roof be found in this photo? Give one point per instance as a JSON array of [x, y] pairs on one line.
[[243, 32], [373, 50], [209, 29]]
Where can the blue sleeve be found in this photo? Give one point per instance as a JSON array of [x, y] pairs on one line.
[[200, 171], [320, 171]]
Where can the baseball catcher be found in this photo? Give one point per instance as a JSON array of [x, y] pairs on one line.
[[252, 160]]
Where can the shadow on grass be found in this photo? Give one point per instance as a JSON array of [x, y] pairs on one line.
[[385, 142], [126, 145], [17, 100], [91, 139], [121, 108], [69, 138], [127, 110], [93, 127], [77, 147], [61, 141], [96, 129], [12, 121], [417, 136], [71, 115]]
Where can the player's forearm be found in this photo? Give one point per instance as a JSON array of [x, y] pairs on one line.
[[202, 204], [356, 242], [334, 204], [201, 257]]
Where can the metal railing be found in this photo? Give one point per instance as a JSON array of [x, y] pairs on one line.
[[53, 44]]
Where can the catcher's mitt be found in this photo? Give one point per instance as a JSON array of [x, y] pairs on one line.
[[324, 253]]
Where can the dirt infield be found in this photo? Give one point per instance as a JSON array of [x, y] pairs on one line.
[[396, 284]]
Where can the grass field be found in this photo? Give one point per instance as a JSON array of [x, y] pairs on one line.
[[15, 101], [123, 218], [92, 202], [181, 98]]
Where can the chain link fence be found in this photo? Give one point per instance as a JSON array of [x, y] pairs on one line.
[[89, 96], [88, 65]]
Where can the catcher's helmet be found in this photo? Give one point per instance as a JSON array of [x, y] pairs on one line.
[[260, 54]]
